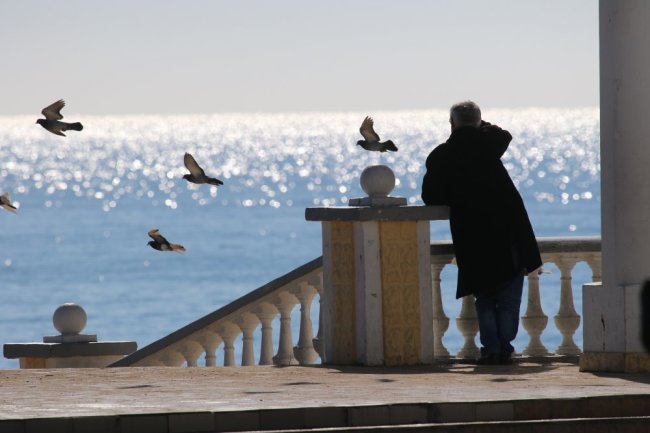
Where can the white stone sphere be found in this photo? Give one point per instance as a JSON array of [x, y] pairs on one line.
[[377, 180], [69, 319]]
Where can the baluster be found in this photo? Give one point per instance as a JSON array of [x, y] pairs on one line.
[[171, 358], [567, 319], [247, 323], [467, 324], [319, 347], [191, 350], [285, 302], [318, 341], [534, 321], [266, 313], [210, 341], [440, 319], [304, 350], [228, 332], [595, 263]]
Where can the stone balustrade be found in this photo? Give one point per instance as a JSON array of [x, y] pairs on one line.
[[564, 253], [237, 322], [249, 320]]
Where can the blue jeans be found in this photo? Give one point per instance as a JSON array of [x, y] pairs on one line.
[[498, 317]]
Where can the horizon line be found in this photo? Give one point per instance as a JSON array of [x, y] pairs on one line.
[[301, 112]]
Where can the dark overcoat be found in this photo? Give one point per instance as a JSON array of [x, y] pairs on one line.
[[492, 235]]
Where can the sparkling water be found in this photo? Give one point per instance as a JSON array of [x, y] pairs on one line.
[[86, 203]]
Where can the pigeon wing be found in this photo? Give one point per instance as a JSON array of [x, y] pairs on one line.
[[53, 111], [156, 236], [214, 181], [367, 131], [192, 166], [6, 203]]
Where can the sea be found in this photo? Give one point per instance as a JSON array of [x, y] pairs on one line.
[[86, 202]]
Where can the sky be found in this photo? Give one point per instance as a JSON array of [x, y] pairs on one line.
[[180, 57]]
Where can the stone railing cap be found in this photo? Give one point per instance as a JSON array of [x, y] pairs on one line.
[[51, 350], [379, 213]]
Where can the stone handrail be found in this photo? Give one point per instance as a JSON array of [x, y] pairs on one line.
[[300, 286], [242, 316], [565, 253]]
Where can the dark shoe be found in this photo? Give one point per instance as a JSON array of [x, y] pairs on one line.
[[488, 360]]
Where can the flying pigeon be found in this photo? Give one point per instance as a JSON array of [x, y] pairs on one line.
[[5, 203], [371, 141], [52, 119], [197, 175], [161, 244]]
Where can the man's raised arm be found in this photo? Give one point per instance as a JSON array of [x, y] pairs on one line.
[[495, 138]]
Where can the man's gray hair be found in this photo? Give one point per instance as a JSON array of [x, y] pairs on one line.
[[466, 113]]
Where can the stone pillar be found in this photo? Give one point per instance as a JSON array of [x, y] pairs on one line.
[[377, 291], [70, 349], [611, 310]]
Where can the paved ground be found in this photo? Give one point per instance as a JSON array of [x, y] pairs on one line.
[[26, 394]]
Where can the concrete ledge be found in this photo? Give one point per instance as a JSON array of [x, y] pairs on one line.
[[401, 213], [615, 362], [191, 422], [61, 350], [377, 201], [96, 424], [153, 423], [247, 420], [591, 425]]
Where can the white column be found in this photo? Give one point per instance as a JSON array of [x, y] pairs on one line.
[[534, 320], [426, 292], [595, 263], [171, 358], [369, 319], [285, 302], [191, 350], [228, 331], [612, 310], [304, 350], [467, 323], [440, 319], [326, 307], [210, 341], [318, 341], [266, 313], [247, 323], [567, 319]]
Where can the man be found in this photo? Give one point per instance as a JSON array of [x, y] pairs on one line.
[[493, 239]]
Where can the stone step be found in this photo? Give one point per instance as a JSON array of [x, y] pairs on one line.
[[186, 400], [621, 413], [570, 425]]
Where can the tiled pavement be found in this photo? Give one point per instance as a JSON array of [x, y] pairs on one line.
[[248, 398]]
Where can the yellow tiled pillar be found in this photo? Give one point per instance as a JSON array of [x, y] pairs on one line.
[[377, 297], [400, 293], [339, 302]]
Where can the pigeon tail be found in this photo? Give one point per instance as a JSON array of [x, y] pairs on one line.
[[389, 145], [213, 181], [177, 248], [77, 126]]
